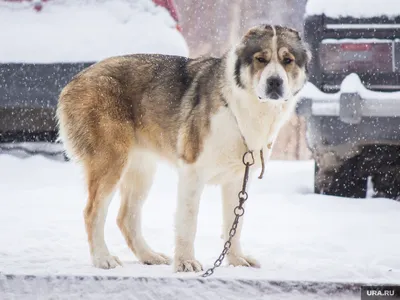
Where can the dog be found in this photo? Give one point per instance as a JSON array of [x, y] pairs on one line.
[[118, 117]]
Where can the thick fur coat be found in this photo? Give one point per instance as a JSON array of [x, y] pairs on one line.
[[120, 116]]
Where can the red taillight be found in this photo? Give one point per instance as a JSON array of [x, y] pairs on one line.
[[346, 57], [356, 47]]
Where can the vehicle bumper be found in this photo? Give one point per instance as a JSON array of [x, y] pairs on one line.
[[354, 117], [350, 104]]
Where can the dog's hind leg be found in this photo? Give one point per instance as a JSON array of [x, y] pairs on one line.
[[229, 202], [134, 188], [103, 173]]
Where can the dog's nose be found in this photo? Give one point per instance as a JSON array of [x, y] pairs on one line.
[[274, 82], [274, 87]]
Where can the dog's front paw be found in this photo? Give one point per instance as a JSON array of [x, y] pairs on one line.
[[153, 258], [188, 265], [106, 261], [244, 261]]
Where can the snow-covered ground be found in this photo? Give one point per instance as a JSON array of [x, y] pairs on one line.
[[86, 31], [295, 234]]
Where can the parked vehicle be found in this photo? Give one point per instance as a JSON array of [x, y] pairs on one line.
[[352, 103], [45, 43]]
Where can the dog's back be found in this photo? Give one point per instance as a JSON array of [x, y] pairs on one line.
[[103, 104], [144, 94]]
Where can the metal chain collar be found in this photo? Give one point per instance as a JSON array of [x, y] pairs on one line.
[[248, 161]]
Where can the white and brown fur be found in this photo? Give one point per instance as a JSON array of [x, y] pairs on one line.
[[121, 115]]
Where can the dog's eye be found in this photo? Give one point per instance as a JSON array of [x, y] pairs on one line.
[[287, 60], [261, 60]]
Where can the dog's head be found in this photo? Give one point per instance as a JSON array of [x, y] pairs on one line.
[[271, 62]]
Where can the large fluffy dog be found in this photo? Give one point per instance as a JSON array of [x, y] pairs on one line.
[[119, 116]]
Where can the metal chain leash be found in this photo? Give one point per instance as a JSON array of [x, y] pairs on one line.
[[248, 161]]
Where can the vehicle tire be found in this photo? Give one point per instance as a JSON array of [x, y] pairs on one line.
[[386, 182], [346, 181]]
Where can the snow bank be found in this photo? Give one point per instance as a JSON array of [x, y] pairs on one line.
[[86, 31], [353, 8]]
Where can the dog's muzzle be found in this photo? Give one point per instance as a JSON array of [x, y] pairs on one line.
[[274, 88]]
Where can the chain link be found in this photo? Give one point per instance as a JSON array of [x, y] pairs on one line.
[[248, 161]]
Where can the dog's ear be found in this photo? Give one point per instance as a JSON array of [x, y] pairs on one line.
[[295, 32], [252, 32], [257, 31], [252, 36], [306, 47]]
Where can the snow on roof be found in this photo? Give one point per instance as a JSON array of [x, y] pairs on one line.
[[353, 8], [81, 31]]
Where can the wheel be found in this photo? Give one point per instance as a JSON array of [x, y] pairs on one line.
[[386, 183], [344, 181]]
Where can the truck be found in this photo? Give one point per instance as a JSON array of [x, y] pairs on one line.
[[351, 104]]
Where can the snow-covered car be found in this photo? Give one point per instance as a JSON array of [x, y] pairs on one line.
[[45, 43], [352, 100]]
